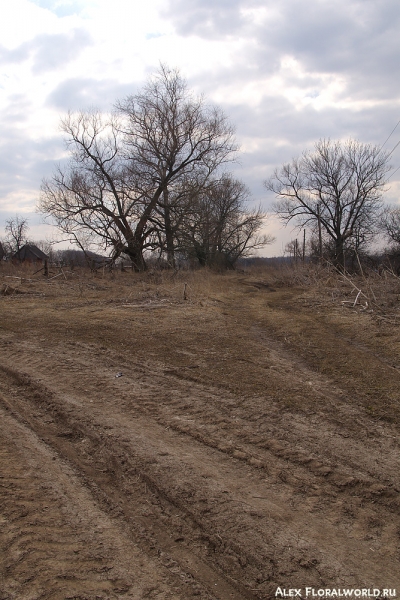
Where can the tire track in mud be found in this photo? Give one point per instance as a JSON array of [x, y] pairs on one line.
[[56, 542], [130, 496], [113, 499], [259, 424], [262, 508]]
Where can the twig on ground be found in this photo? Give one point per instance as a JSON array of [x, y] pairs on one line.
[[356, 300]]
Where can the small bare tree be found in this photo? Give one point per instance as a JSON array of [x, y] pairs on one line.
[[220, 226], [336, 188], [391, 224], [16, 232]]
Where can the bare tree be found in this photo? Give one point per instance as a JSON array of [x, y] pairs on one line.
[[16, 232], [3, 251], [337, 187], [93, 200], [220, 227], [171, 214], [391, 224], [124, 166]]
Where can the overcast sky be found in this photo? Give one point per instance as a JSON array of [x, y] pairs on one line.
[[286, 73]]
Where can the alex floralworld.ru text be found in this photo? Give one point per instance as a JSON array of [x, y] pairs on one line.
[[335, 593]]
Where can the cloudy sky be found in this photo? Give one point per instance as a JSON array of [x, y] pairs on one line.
[[286, 73]]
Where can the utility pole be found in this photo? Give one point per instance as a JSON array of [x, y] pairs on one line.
[[319, 231]]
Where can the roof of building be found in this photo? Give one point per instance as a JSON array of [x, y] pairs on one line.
[[30, 252]]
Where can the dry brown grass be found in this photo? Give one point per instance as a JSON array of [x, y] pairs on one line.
[[376, 293], [81, 284]]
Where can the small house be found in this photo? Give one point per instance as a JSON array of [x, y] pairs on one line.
[[30, 253]]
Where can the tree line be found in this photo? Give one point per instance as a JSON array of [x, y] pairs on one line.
[[151, 178]]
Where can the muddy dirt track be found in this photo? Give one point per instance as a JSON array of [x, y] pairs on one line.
[[214, 448]]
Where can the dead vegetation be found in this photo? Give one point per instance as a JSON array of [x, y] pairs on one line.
[[377, 292], [116, 285], [374, 290]]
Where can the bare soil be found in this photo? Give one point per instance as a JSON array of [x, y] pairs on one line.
[[216, 447]]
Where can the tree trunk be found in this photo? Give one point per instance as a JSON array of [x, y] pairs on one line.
[[135, 253], [339, 252], [169, 236], [135, 240]]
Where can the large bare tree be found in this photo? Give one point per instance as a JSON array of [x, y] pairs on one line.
[[124, 166], [337, 187]]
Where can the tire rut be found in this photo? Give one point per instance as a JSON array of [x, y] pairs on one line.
[[278, 477], [127, 492], [57, 542]]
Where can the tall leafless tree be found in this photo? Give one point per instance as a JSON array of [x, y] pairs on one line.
[[126, 165], [339, 186]]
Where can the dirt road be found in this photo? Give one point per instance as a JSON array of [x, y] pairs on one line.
[[220, 447]]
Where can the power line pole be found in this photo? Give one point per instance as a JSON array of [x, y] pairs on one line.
[[319, 231]]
